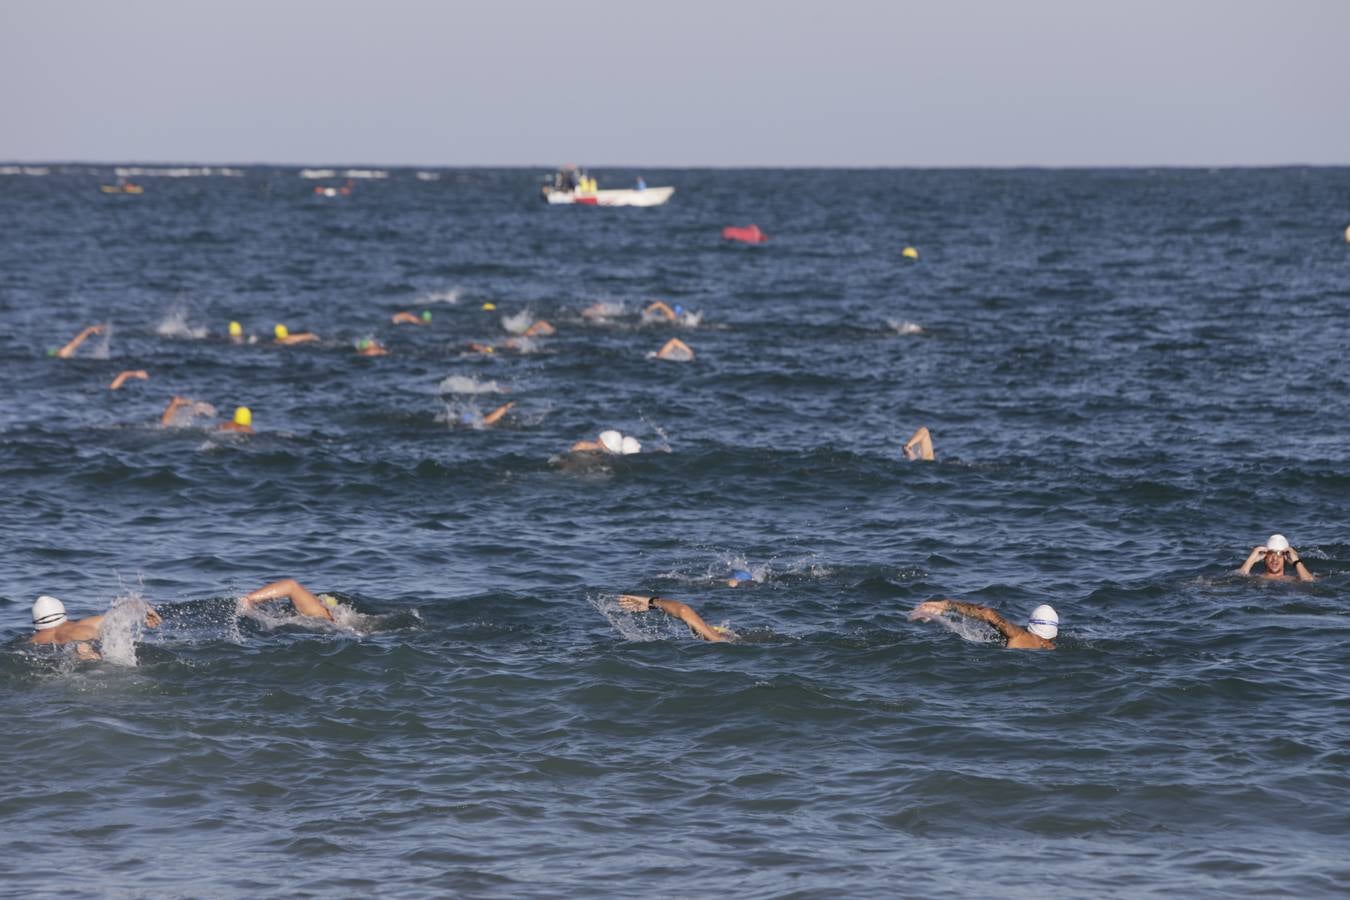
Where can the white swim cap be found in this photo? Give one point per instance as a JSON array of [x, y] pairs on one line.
[[611, 441], [1277, 542], [1044, 622], [48, 612], [630, 445]]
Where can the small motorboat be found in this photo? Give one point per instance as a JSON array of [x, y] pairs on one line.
[[572, 186]]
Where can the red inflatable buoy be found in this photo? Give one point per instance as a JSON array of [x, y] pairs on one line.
[[750, 234]]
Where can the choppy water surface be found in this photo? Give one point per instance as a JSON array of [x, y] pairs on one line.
[[1132, 377]]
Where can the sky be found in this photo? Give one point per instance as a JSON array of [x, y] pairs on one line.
[[682, 83]]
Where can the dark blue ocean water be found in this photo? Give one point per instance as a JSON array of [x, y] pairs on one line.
[[1132, 378]]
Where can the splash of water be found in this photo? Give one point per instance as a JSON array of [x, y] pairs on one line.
[[448, 297], [519, 323], [122, 627], [175, 325], [465, 384]]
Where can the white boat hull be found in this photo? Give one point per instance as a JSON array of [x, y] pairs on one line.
[[652, 196]]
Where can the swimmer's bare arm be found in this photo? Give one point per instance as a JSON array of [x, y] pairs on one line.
[[970, 611], [585, 447], [540, 329], [1299, 568], [405, 318], [495, 416], [303, 338], [1257, 554], [673, 608], [288, 588], [175, 404], [660, 306], [924, 441], [69, 349], [122, 378]]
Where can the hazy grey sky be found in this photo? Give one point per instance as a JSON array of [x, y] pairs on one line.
[[736, 82]]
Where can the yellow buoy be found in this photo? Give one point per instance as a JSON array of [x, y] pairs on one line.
[[909, 253], [489, 306]]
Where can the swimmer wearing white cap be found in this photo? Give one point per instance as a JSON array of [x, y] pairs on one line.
[[49, 618], [1275, 553], [611, 442], [1038, 635], [677, 610]]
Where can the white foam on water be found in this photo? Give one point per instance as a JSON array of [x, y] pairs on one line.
[[175, 324], [449, 297], [100, 347], [969, 629], [630, 626], [467, 384], [519, 323], [900, 326]]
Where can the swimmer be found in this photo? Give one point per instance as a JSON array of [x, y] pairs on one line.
[[122, 378], [924, 441], [484, 349], [284, 337], [370, 347], [69, 349], [540, 329], [1275, 552], [487, 421], [242, 422], [236, 333], [675, 350], [611, 442], [407, 318], [740, 577], [1038, 635], [304, 601], [661, 310], [49, 618], [638, 603]]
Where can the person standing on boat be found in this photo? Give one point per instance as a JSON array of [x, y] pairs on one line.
[[641, 183]]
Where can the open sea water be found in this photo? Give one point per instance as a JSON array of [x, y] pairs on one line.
[[1132, 377]]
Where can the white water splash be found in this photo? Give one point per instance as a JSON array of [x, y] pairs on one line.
[[175, 325], [904, 326], [123, 624], [448, 297], [465, 384], [519, 323]]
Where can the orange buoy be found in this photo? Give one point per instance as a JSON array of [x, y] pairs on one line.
[[750, 234]]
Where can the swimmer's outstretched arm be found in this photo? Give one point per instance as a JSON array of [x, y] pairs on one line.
[[675, 349], [673, 608], [495, 416], [405, 318], [69, 349], [288, 588], [122, 377], [1299, 568], [662, 307], [177, 403], [933, 608], [924, 441], [540, 328]]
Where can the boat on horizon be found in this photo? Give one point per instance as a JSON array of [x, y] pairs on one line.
[[573, 186]]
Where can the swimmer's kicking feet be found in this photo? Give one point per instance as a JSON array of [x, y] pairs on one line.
[[69, 349], [675, 609], [1038, 635], [920, 446], [305, 603], [49, 618]]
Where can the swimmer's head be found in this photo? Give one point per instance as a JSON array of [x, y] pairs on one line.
[[243, 417], [1044, 622], [722, 630], [612, 441], [738, 576], [426, 315], [1277, 543], [466, 418], [329, 600], [236, 330], [677, 309], [363, 344], [630, 445], [489, 306], [48, 612], [281, 332]]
